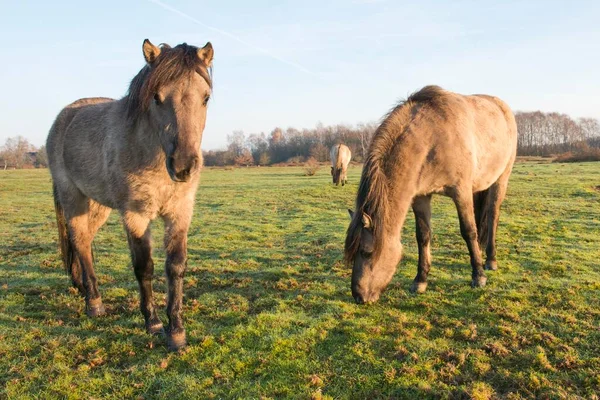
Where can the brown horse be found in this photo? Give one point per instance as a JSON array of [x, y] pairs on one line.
[[435, 142], [340, 156], [139, 155]]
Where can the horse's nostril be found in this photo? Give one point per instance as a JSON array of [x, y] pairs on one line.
[[183, 174]]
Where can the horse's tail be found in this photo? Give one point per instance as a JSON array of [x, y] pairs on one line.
[[66, 248], [480, 203]]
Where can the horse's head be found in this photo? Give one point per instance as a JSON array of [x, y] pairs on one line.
[[373, 256], [336, 173], [175, 95]]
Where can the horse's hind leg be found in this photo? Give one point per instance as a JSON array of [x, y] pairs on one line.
[[76, 276], [468, 229], [84, 219], [422, 209], [496, 195], [139, 238]]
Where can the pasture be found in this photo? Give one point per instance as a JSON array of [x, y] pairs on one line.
[[267, 303]]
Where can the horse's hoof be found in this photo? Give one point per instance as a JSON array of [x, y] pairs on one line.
[[479, 282], [491, 265], [95, 311], [176, 341], [418, 287], [156, 329]]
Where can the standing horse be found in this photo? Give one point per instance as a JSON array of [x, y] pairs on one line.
[[139, 155], [435, 142], [340, 158]]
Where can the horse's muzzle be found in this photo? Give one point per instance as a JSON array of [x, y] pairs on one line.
[[365, 298], [181, 170]]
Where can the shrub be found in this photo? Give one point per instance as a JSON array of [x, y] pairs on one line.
[[585, 154], [264, 159], [295, 160], [311, 166], [244, 159]]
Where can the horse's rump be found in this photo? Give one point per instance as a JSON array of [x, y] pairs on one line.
[[340, 156]]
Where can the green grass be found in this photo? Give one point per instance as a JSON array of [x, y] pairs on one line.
[[267, 301]]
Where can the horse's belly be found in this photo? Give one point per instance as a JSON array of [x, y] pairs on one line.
[[484, 183], [489, 170]]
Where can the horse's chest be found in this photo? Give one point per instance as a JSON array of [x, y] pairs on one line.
[[149, 198]]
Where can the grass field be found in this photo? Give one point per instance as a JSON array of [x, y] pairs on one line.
[[267, 300]]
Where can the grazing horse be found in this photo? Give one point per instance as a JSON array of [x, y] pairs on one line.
[[140, 155], [340, 158], [434, 142]]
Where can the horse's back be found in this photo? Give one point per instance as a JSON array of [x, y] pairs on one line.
[[66, 116], [457, 138]]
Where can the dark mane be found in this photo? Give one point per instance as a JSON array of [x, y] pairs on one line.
[[372, 196], [426, 94], [171, 65]]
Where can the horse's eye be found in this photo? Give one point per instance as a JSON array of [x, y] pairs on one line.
[[157, 100], [365, 254], [206, 99]]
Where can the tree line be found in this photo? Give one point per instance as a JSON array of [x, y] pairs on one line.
[[17, 152], [549, 134], [540, 134], [291, 145]]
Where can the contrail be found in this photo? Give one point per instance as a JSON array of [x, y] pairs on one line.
[[231, 36]]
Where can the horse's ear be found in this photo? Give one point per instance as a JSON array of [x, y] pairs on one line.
[[367, 221], [151, 52], [351, 213], [206, 54]]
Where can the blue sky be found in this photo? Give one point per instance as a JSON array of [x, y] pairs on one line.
[[297, 63]]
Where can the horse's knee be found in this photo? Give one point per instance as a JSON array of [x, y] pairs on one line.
[[176, 266], [469, 234]]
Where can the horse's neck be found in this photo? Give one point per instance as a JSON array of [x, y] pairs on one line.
[[401, 190], [138, 140]]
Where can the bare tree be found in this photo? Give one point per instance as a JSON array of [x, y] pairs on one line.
[[236, 142], [15, 152], [319, 152], [41, 160], [259, 147]]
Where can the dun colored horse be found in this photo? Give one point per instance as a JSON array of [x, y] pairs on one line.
[[340, 158], [435, 142], [139, 155]]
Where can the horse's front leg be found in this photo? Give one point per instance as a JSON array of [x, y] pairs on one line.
[[422, 209], [176, 230], [139, 238]]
